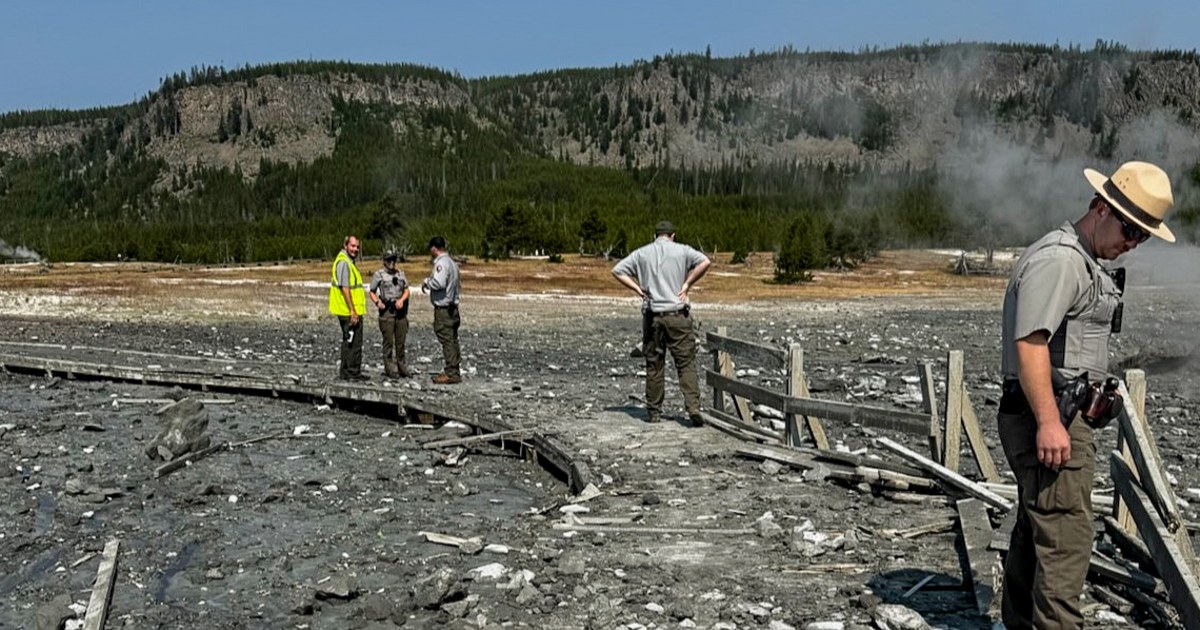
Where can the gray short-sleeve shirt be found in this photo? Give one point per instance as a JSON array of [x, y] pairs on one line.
[[661, 268]]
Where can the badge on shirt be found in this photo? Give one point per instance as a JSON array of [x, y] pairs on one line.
[[437, 268]]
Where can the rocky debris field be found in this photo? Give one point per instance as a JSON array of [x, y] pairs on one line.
[[344, 520]]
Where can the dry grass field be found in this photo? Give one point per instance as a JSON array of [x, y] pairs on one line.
[[296, 290]]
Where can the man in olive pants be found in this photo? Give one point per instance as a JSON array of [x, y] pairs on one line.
[[1060, 309], [662, 273]]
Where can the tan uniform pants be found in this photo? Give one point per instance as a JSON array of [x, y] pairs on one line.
[[395, 334], [670, 332], [1051, 543]]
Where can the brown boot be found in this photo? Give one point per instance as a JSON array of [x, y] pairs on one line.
[[446, 379]]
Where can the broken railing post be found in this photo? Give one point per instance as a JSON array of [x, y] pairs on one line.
[[929, 402], [797, 387], [1135, 381], [954, 395]]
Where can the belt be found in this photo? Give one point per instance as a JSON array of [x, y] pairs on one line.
[[680, 313], [448, 306]]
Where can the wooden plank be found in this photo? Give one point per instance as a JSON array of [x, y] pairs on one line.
[[929, 403], [1002, 537], [1128, 542], [985, 572], [983, 457], [615, 529], [797, 387], [754, 393], [781, 455], [909, 422], [102, 590], [718, 396], [949, 476], [1150, 474], [180, 462], [764, 356], [472, 439], [739, 402], [1009, 491], [1099, 566], [1135, 382], [738, 429], [954, 404], [1182, 588]]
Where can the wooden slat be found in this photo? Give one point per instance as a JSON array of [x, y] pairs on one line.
[[983, 457], [929, 404], [728, 424], [1135, 382], [718, 396], [472, 439], [739, 402], [1150, 474], [898, 420], [797, 387], [763, 355], [102, 590], [949, 476], [985, 565], [1172, 564], [954, 404], [754, 393]]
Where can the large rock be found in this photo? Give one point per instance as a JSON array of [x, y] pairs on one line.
[[897, 617], [183, 426]]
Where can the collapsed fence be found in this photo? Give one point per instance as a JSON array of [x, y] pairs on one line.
[[1141, 518]]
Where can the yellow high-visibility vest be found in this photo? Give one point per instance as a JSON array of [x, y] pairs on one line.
[[337, 302]]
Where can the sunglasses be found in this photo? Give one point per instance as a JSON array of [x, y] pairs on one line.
[[1131, 231]]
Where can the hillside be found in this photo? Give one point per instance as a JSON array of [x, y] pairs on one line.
[[283, 155]]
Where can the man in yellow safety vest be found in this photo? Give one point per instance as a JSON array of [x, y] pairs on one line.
[[348, 301]]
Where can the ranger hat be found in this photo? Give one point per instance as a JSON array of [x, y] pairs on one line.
[[664, 227], [1141, 192], [391, 254]]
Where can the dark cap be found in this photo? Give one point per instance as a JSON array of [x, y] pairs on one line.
[[438, 242], [391, 254], [664, 227]]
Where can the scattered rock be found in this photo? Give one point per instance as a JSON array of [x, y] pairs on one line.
[[183, 426], [340, 586], [897, 617]]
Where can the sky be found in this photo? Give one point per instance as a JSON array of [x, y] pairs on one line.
[[73, 55]]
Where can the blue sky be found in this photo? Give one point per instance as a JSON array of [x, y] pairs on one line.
[[84, 54]]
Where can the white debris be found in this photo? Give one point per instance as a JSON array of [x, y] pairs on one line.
[[300, 429], [574, 509], [496, 548], [493, 571], [655, 608], [233, 498]]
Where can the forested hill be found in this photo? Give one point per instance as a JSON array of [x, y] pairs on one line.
[[835, 154]]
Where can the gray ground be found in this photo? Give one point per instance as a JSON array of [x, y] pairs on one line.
[[316, 513]]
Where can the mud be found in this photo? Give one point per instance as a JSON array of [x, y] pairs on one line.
[[271, 534]]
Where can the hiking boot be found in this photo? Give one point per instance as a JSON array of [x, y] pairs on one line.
[[404, 373], [696, 418], [653, 418], [392, 374], [446, 379]]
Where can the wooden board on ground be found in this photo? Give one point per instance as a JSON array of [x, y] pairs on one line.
[[985, 571], [979, 448], [102, 590], [797, 387], [949, 476]]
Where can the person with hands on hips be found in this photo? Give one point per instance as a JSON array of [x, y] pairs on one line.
[[444, 288], [1061, 307], [389, 292]]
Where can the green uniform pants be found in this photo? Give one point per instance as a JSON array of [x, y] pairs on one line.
[[351, 348], [446, 322], [1051, 543], [395, 334], [663, 332]]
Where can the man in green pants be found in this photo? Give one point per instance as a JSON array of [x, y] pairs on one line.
[[662, 273], [1060, 309], [444, 289]]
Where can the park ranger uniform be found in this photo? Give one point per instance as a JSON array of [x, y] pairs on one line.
[[388, 286], [661, 268], [444, 289], [1057, 286]]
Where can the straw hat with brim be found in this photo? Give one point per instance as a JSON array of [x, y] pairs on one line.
[[1141, 192]]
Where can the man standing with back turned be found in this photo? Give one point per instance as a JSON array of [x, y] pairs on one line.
[[662, 273], [1060, 309], [348, 301], [444, 289]]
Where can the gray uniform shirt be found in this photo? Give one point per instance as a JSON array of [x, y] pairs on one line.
[[1059, 287], [383, 286], [660, 269], [443, 283], [341, 271]]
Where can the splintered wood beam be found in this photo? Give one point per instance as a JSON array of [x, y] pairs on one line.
[[929, 404], [739, 402], [1164, 545], [954, 405], [985, 565], [763, 355], [754, 393], [948, 476], [735, 427], [1135, 381], [1150, 474], [797, 387], [983, 457], [102, 590]]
